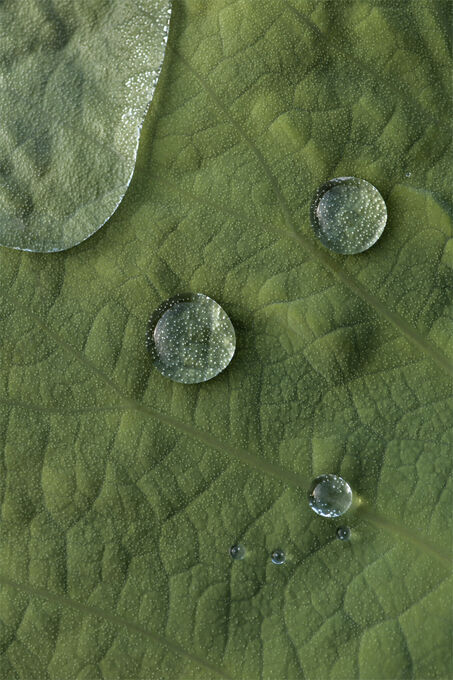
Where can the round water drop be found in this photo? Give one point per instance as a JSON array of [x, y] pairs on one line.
[[348, 215], [330, 496], [190, 338], [278, 557], [343, 533], [408, 174], [237, 552]]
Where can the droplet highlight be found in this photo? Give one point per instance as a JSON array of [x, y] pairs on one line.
[[278, 557], [330, 496], [348, 215], [343, 533], [237, 552], [190, 338]]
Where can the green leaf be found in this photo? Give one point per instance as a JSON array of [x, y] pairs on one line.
[[122, 492], [76, 79]]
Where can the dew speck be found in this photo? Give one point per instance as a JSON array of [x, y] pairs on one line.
[[190, 338], [343, 533], [278, 557], [408, 174], [348, 215], [330, 496], [237, 552]]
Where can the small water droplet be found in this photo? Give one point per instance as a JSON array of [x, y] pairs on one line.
[[348, 215], [190, 338], [330, 496], [408, 174], [278, 557], [237, 552], [343, 533]]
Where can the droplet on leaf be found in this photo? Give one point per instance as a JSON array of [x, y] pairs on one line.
[[237, 552], [278, 557], [343, 533], [330, 496], [71, 118], [348, 215], [190, 338]]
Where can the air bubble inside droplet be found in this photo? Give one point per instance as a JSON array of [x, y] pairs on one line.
[[190, 338], [278, 557], [330, 496], [237, 552], [348, 215]]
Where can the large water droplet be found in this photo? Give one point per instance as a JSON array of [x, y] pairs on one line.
[[330, 496], [190, 338], [67, 158], [348, 215], [278, 557], [237, 552], [343, 533]]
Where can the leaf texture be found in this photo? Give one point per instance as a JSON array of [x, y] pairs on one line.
[[121, 492]]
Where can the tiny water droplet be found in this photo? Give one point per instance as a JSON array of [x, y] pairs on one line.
[[343, 533], [237, 552], [278, 557], [190, 338], [330, 496], [408, 174], [348, 215]]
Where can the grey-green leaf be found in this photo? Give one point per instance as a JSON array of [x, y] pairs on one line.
[[76, 79]]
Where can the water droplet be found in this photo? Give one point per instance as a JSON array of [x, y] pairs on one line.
[[408, 174], [343, 533], [330, 496], [348, 215], [237, 552], [190, 338], [278, 557]]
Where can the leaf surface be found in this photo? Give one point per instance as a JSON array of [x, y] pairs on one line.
[[122, 492]]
